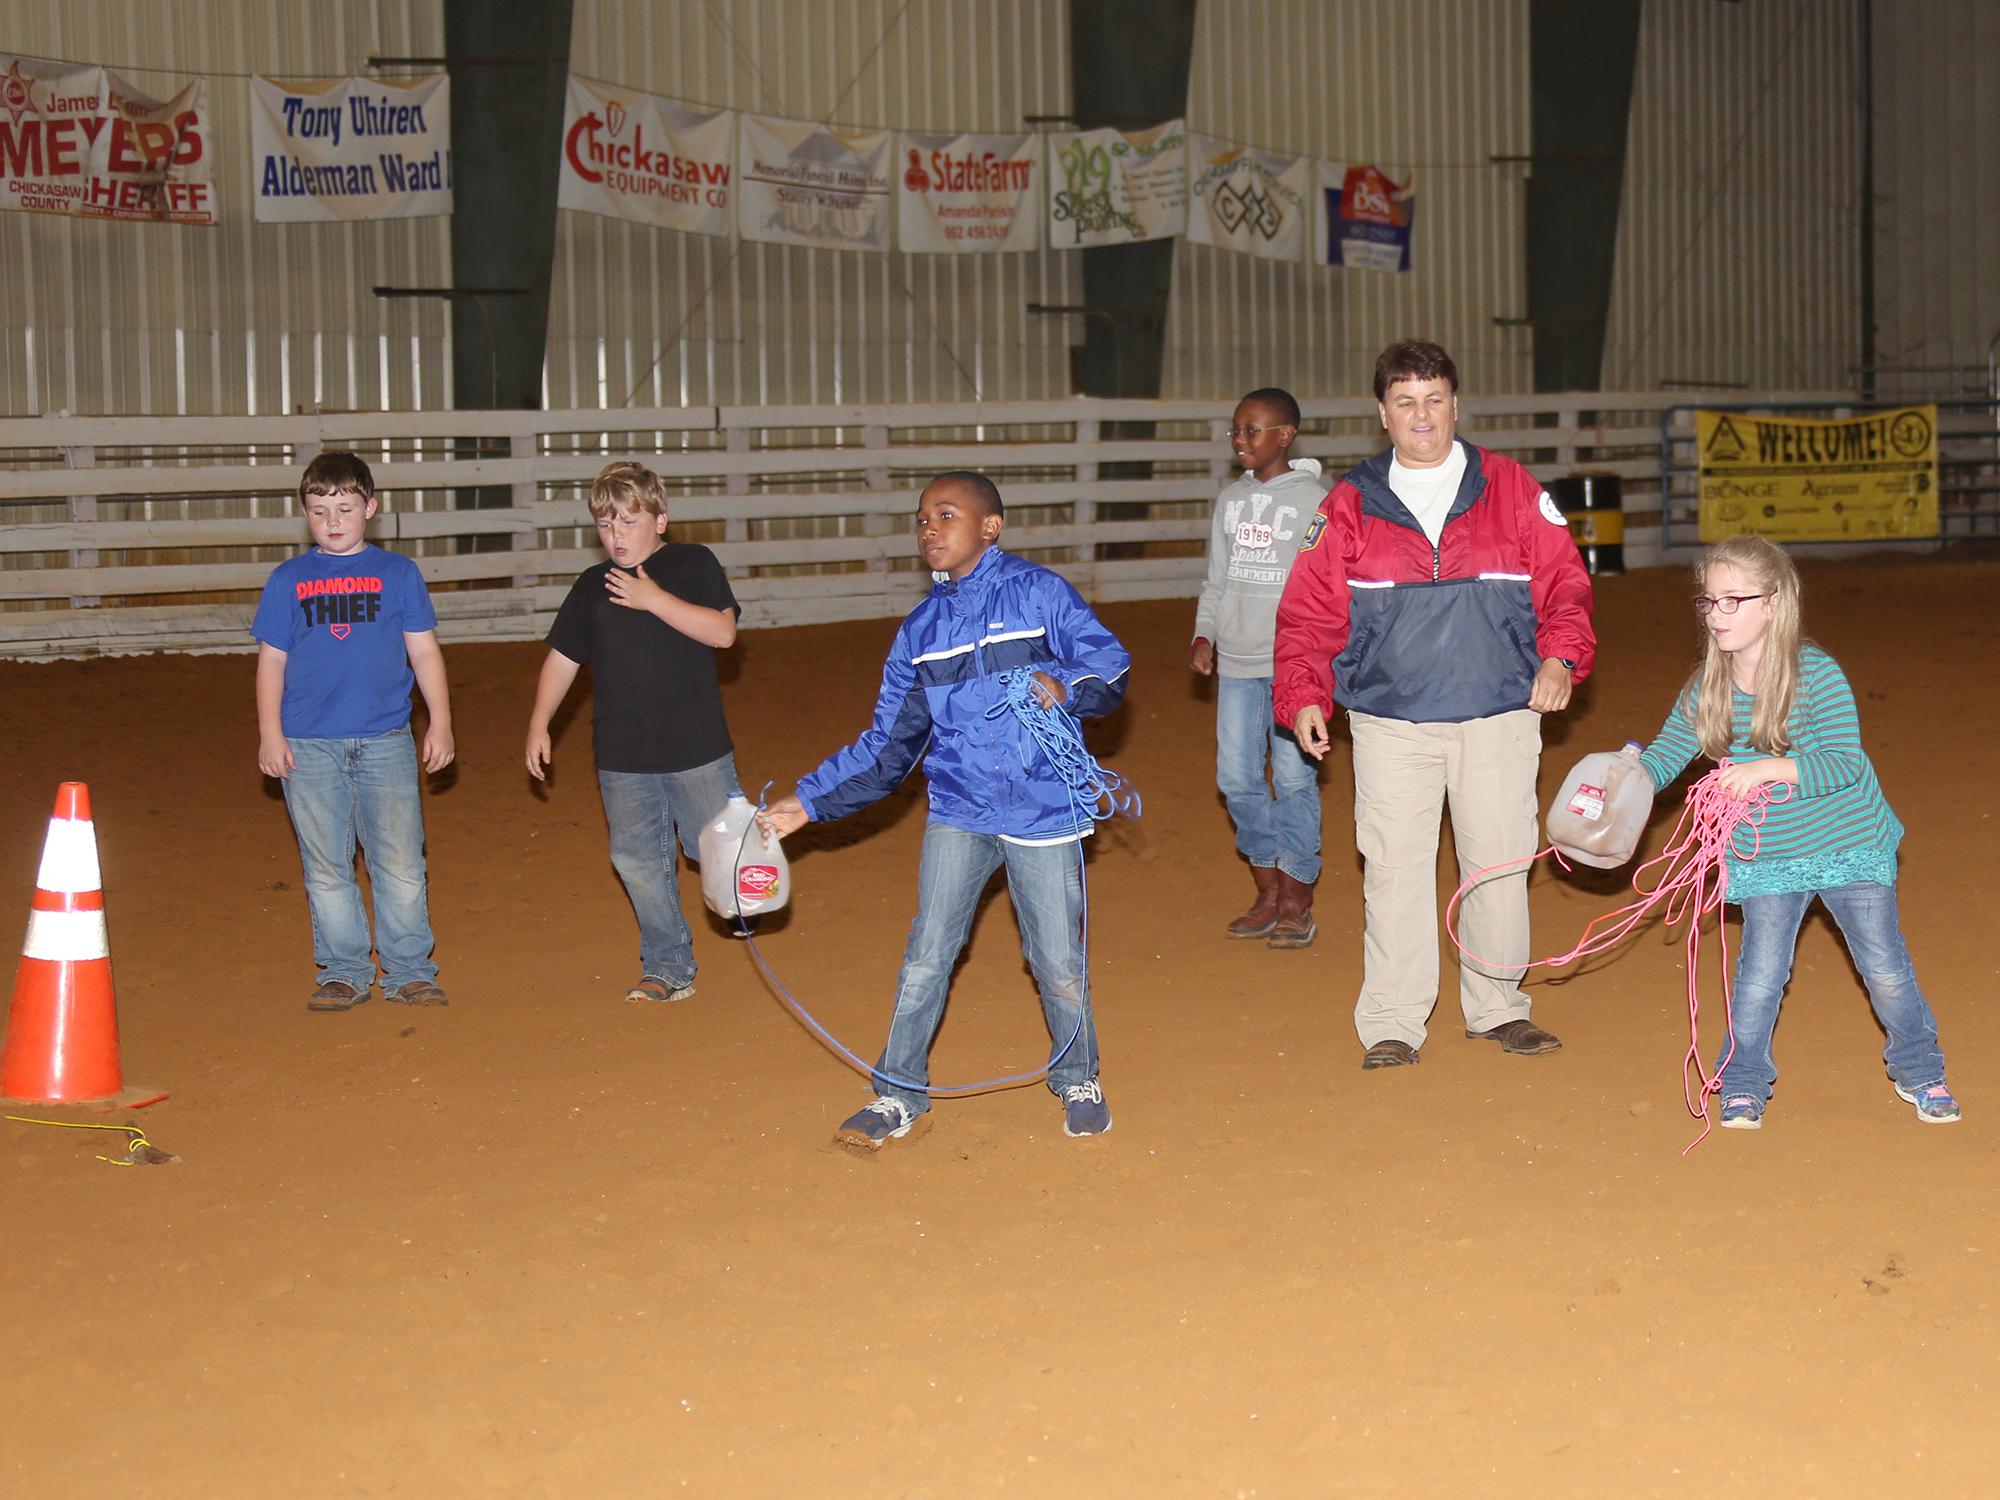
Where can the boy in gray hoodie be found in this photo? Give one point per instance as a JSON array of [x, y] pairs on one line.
[[1258, 524]]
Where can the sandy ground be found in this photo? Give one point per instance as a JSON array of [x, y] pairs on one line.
[[544, 1243]]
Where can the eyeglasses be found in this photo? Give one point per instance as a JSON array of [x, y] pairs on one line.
[[1251, 432], [1728, 604]]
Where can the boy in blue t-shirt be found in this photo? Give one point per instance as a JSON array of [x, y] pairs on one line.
[[648, 620], [343, 631]]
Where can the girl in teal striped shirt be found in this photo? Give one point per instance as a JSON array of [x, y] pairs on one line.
[[1772, 708]]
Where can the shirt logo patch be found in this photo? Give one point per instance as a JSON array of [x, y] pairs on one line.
[[340, 632], [1313, 530], [1254, 534], [1551, 513]]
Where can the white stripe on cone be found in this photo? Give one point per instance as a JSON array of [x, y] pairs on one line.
[[66, 936], [69, 858]]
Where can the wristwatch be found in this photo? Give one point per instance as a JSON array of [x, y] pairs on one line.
[[1567, 664]]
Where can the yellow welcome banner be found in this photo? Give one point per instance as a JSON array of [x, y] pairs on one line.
[[1797, 479]]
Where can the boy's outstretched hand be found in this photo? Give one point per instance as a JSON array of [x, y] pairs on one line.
[[1049, 692], [786, 815]]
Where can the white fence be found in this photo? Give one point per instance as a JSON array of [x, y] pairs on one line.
[[123, 534]]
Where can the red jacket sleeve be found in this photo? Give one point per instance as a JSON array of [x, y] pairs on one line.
[[1561, 586], [1312, 617]]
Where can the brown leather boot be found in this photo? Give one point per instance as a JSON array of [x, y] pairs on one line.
[[1263, 914], [1295, 927]]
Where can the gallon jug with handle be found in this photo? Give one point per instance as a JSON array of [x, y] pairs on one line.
[[741, 870], [1598, 816]]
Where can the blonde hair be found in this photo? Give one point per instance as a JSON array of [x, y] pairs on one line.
[[627, 486], [1707, 697]]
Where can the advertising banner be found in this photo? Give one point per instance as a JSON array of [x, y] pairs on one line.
[[330, 149], [1365, 220], [1797, 479], [966, 194], [629, 155], [806, 184], [1247, 200], [1112, 187], [79, 140]]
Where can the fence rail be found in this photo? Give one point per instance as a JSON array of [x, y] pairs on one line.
[[121, 534]]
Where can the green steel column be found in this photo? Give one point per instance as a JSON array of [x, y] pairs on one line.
[[1581, 55], [509, 64], [1129, 62]]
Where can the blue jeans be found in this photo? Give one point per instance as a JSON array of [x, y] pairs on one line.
[[342, 792], [643, 809], [1866, 915], [1045, 882], [1280, 829]]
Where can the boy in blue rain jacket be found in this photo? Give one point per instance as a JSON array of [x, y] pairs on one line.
[[995, 799]]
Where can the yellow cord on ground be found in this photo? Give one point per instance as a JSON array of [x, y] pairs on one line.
[[135, 1137]]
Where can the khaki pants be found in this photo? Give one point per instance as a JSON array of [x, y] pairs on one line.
[[1403, 774]]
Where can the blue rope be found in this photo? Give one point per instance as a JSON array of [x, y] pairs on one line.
[[1095, 794]]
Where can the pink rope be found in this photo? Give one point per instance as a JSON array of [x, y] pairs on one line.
[[1689, 884]]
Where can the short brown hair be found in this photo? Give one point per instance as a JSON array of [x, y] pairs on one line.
[[627, 486], [336, 474], [982, 489], [1413, 359]]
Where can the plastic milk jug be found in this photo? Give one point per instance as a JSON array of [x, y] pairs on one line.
[[741, 870], [1601, 811]]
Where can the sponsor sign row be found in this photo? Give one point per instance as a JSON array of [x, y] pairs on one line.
[[633, 155], [80, 140]]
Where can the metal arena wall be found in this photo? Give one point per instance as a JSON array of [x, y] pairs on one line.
[[1739, 235], [243, 318], [1737, 259]]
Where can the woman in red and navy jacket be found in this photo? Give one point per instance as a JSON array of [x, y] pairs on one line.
[[1439, 599]]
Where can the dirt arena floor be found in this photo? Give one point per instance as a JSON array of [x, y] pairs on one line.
[[544, 1243]]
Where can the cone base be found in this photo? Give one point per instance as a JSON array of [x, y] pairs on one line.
[[131, 1096], [62, 1033]]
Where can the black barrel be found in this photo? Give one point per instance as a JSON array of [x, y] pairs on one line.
[[1592, 505]]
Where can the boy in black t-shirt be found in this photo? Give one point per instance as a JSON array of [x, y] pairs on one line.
[[649, 622]]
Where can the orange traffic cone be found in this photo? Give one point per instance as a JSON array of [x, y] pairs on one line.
[[62, 1029]]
